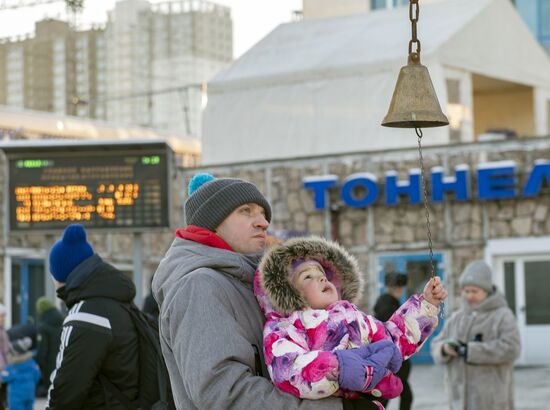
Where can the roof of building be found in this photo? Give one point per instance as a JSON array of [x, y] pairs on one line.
[[450, 30], [323, 86], [46, 126]]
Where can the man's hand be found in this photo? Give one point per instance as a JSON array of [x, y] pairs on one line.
[[434, 292]]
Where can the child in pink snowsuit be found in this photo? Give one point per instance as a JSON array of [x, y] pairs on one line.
[[317, 343]]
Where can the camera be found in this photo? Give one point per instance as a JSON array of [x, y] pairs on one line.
[[459, 347]]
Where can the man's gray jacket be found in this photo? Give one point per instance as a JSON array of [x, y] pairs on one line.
[[211, 332]]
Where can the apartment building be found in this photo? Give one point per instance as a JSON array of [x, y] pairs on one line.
[[536, 13], [146, 67], [51, 71], [159, 58]]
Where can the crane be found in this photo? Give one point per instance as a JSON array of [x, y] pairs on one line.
[[73, 5]]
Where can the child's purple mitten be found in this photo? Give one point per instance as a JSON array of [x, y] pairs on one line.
[[351, 369], [396, 360], [367, 364]]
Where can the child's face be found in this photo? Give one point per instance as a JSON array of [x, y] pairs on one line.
[[311, 281]]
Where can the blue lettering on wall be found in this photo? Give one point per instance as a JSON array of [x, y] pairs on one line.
[[539, 174], [320, 185], [496, 180], [395, 188], [364, 180], [457, 184]]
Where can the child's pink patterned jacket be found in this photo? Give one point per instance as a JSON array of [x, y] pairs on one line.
[[299, 342]]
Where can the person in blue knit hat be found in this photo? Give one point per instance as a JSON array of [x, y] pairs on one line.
[[69, 252], [98, 337], [210, 321]]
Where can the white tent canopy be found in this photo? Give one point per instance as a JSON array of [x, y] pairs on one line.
[[323, 86]]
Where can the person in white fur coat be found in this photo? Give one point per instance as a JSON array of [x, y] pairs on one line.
[[479, 345]]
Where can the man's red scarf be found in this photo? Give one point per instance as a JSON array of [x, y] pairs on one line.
[[203, 236]]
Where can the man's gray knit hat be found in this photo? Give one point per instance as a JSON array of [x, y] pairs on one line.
[[211, 200], [479, 274]]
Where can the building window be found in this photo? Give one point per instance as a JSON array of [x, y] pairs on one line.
[[455, 109], [521, 270], [418, 269], [545, 22], [510, 284], [27, 285], [387, 4], [14, 77], [453, 91], [536, 14], [378, 4], [537, 311]]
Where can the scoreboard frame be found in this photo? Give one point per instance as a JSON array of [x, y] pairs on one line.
[[63, 150]]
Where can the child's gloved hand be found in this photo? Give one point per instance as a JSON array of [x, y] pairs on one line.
[[354, 363], [384, 350], [396, 360], [351, 369], [389, 387]]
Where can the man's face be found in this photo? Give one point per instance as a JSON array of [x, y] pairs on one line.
[[57, 284], [245, 229], [474, 295], [310, 279], [396, 291]]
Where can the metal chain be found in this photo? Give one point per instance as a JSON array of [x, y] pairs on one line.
[[426, 208], [414, 12]]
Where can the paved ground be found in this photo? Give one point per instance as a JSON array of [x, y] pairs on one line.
[[532, 389]]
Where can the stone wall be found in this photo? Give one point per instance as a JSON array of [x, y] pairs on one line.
[[460, 229]]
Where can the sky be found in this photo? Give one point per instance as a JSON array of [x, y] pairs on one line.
[[252, 19]]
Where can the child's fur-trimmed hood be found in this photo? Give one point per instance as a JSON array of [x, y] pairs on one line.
[[341, 268]]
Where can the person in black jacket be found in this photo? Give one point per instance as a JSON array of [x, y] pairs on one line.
[[383, 309], [98, 340], [49, 324], [151, 307]]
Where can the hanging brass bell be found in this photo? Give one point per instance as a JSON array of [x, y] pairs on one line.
[[414, 103]]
